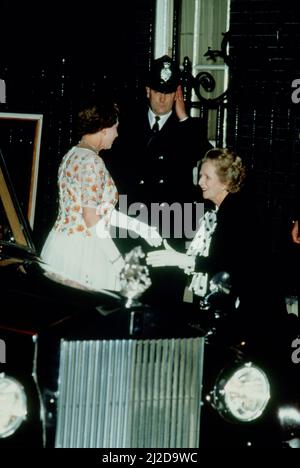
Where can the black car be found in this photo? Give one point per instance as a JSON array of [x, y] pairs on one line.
[[80, 368]]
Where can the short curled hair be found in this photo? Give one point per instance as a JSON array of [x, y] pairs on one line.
[[229, 167], [95, 117]]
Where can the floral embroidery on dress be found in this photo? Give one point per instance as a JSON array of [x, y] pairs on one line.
[[83, 181]]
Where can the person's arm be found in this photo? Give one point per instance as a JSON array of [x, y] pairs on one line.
[[192, 132], [90, 190], [94, 212], [121, 220], [295, 232], [93, 177], [194, 127], [90, 217], [219, 259], [170, 257]]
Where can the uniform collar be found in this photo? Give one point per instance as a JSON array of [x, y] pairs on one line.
[[162, 121]]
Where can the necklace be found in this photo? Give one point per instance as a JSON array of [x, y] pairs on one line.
[[84, 144]]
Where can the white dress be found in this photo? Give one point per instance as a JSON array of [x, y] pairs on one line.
[[72, 250]]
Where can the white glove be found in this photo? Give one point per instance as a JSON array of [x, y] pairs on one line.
[[169, 257], [102, 230], [149, 233]]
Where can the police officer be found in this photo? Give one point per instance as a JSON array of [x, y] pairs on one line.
[[156, 157], [159, 144]]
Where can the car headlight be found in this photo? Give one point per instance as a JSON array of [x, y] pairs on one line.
[[241, 394], [13, 405]]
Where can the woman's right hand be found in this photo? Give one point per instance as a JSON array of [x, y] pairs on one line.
[[168, 257]]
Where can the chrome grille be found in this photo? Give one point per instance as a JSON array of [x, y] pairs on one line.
[[130, 393]]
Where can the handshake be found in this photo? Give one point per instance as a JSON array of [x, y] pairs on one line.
[[119, 219], [158, 258], [170, 257]]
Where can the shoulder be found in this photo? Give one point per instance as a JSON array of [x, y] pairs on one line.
[[173, 123], [235, 206], [196, 128], [232, 200], [194, 122], [86, 157]]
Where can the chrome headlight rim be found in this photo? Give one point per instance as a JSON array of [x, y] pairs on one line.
[[13, 405], [232, 401]]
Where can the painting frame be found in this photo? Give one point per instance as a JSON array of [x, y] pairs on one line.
[[37, 119]]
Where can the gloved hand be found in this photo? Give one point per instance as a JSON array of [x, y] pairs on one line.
[[147, 232], [102, 230], [169, 257]]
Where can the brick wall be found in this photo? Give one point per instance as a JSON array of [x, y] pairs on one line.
[[263, 123]]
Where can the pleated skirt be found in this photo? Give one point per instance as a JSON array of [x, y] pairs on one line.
[[89, 261]]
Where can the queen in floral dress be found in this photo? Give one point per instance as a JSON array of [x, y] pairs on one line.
[[87, 194]]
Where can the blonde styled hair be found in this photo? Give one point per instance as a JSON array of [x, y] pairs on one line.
[[229, 167]]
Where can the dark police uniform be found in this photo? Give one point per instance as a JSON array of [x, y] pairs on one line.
[[161, 163], [157, 166]]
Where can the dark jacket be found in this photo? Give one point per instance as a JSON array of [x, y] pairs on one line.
[[233, 238], [237, 246], [159, 167]]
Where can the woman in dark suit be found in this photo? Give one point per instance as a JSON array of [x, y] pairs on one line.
[[224, 239], [229, 238]]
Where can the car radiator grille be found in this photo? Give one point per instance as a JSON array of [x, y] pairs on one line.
[[130, 393]]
